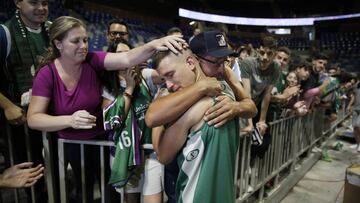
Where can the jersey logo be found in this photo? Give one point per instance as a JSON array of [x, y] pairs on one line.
[[223, 87], [221, 40], [192, 155]]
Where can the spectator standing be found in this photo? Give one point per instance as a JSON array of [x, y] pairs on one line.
[[20, 175], [28, 34], [259, 76], [354, 105]]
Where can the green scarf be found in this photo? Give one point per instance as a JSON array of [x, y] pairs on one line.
[[22, 61]]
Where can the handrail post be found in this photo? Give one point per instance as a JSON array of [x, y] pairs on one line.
[[29, 156], [83, 175], [49, 167], [11, 153], [62, 171]]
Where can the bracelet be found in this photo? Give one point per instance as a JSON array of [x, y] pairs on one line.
[[128, 95]]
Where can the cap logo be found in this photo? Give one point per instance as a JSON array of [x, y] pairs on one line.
[[221, 40]]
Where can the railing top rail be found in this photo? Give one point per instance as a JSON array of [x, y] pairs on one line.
[[88, 142], [99, 143], [282, 119]]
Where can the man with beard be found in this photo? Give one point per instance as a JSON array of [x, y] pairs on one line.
[[29, 39], [117, 30]]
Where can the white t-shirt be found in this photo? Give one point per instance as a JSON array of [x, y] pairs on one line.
[[236, 69]]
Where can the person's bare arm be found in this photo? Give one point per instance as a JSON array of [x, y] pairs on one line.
[[39, 119], [105, 103], [117, 61], [21, 175], [261, 124], [265, 103], [226, 109], [169, 142], [14, 114], [351, 102], [247, 87], [167, 109], [238, 89], [288, 93], [323, 86]]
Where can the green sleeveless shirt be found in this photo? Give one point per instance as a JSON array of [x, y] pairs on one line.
[[207, 163]]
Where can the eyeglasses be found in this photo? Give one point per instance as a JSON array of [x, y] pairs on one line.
[[115, 33], [219, 62]]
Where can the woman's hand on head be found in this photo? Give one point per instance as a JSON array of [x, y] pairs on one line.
[[174, 43], [82, 120]]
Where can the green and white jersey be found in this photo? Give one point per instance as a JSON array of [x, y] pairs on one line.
[[207, 164], [127, 133]]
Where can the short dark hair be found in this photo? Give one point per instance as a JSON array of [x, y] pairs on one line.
[[284, 49], [320, 56], [173, 30], [114, 44], [117, 21], [269, 41], [298, 62], [245, 47]]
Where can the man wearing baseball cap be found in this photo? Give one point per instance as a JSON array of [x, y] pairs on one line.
[[211, 50]]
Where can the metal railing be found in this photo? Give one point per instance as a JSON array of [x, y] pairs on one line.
[[11, 143], [292, 139], [63, 166], [61, 193]]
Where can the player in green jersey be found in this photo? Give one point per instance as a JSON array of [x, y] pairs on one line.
[[205, 154]]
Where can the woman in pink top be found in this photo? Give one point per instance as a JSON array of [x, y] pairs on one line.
[[68, 80]]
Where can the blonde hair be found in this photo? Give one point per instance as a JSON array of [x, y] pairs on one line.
[[179, 58], [58, 30]]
